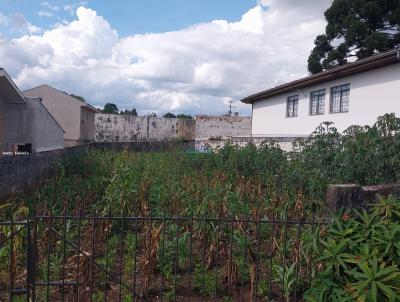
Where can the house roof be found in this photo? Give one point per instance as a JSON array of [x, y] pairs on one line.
[[90, 108], [84, 105], [373, 62], [8, 90]]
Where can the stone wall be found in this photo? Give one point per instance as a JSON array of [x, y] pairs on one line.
[[222, 126], [126, 128], [350, 196]]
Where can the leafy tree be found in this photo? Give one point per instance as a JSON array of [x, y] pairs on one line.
[[132, 112], [169, 115], [356, 29], [110, 108], [186, 116]]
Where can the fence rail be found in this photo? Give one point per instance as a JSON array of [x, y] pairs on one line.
[[93, 258]]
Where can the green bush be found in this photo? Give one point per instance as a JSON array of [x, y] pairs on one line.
[[359, 256]]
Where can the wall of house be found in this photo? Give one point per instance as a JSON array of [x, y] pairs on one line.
[[2, 125], [17, 125], [88, 129], [65, 109], [222, 126], [45, 132], [372, 93], [31, 123], [125, 128]]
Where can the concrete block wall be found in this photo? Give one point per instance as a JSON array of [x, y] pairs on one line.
[[126, 128], [285, 143], [21, 172], [222, 126]]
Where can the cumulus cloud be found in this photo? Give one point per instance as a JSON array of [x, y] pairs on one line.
[[198, 69], [17, 22]]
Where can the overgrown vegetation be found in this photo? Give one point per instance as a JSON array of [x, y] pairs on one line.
[[252, 182], [359, 256]]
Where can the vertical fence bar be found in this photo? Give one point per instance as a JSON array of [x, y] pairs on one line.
[[48, 256], [135, 257], [297, 258], [176, 255], [64, 253], [190, 257], [258, 239], [78, 251], [271, 255], [244, 259], [203, 259], [93, 245], [11, 257], [121, 250], [28, 260], [284, 277], [148, 252], [217, 260], [107, 257], [230, 260], [34, 255], [312, 232], [162, 259]]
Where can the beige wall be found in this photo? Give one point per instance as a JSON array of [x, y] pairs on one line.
[[2, 125], [88, 128], [372, 93], [65, 109]]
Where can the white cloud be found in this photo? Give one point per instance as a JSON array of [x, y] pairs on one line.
[[51, 7], [71, 7], [19, 23], [46, 14], [195, 70]]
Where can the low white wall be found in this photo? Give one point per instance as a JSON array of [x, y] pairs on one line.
[[285, 143]]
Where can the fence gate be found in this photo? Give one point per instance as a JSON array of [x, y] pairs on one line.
[[89, 258]]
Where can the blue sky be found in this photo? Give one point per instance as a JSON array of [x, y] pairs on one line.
[[180, 56], [129, 16]]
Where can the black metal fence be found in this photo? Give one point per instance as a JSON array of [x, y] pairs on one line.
[[81, 258]]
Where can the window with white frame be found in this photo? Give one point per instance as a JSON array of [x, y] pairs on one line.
[[340, 96], [317, 102], [292, 107]]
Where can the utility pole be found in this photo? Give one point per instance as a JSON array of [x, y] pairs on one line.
[[230, 108]]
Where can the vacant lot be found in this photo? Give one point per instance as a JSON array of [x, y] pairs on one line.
[[234, 222]]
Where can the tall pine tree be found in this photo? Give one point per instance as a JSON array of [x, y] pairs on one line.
[[356, 29]]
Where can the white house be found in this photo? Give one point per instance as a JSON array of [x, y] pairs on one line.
[[353, 94]]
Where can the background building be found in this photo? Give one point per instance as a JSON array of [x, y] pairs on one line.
[[353, 94], [75, 116], [25, 124]]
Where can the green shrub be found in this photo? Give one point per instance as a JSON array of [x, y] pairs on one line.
[[359, 256]]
